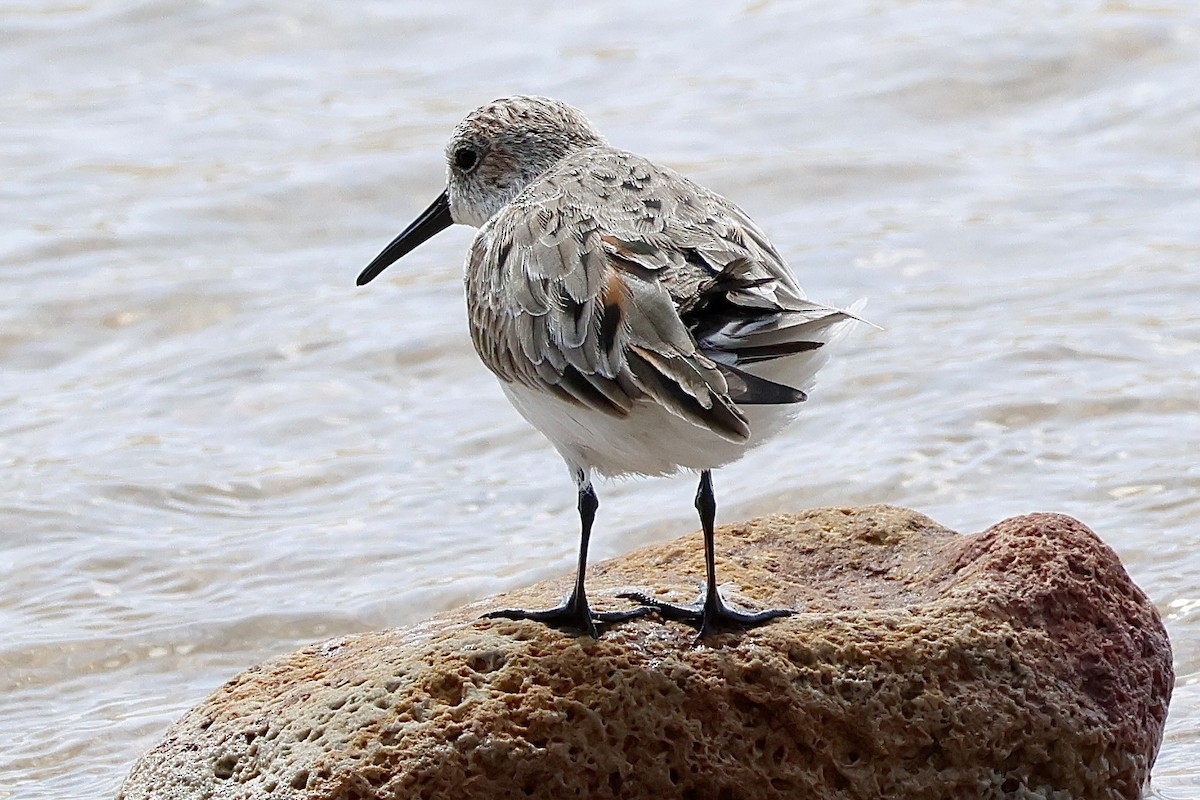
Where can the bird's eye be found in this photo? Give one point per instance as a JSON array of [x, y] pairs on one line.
[[465, 158]]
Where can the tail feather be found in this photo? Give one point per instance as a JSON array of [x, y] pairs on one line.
[[751, 390], [784, 350], [786, 332]]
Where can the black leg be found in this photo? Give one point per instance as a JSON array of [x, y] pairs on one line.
[[574, 615], [709, 613]]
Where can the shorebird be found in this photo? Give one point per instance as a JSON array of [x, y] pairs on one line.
[[641, 322]]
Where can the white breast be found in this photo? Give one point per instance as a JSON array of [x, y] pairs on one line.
[[649, 441]]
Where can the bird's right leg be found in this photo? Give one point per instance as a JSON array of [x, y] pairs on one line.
[[575, 615]]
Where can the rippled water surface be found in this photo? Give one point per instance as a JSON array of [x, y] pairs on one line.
[[214, 448]]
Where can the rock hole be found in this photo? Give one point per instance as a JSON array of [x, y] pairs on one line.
[[224, 766], [801, 656], [488, 661], [449, 690], [835, 778], [614, 782], [300, 779]]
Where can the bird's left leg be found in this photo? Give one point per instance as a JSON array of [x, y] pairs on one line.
[[575, 615], [710, 613]]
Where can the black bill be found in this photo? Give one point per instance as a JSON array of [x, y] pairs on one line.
[[433, 220]]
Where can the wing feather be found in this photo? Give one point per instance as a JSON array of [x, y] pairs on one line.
[[610, 280]]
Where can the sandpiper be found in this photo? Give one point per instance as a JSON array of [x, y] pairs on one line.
[[641, 322]]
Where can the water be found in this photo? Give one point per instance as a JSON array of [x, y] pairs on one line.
[[216, 449]]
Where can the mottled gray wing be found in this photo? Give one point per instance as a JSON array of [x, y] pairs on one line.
[[600, 283]]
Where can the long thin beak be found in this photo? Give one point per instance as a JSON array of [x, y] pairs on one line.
[[433, 220]]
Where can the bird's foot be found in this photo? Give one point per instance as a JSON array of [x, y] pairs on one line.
[[573, 617], [709, 615]]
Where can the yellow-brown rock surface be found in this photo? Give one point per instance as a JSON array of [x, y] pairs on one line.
[[1021, 662]]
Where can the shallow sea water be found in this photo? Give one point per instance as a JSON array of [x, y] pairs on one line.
[[215, 449]]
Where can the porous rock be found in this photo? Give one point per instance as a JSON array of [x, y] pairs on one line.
[[1021, 662]]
